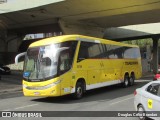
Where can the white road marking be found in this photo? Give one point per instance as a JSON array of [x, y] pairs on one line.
[[143, 81], [121, 101], [7, 110], [25, 106], [21, 107]]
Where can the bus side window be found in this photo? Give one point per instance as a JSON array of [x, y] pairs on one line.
[[128, 52], [83, 52], [90, 50], [65, 62], [112, 52]]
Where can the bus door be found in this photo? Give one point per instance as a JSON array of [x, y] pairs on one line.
[[64, 71], [65, 64]]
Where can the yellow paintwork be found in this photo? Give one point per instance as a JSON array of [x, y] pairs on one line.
[[64, 38], [93, 71]]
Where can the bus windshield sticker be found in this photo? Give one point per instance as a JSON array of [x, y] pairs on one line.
[[26, 74]]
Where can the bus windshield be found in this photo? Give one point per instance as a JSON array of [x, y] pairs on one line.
[[43, 62]]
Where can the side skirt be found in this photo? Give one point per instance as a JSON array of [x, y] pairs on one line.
[[99, 85]]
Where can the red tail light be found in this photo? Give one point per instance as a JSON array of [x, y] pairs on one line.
[[157, 76], [135, 93]]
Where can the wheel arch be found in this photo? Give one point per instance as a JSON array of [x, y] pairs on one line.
[[132, 73], [139, 105], [126, 73], [82, 80], [142, 106]]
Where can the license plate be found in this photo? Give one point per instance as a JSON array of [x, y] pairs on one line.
[[36, 93]]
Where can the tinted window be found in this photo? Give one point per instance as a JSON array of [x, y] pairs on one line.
[[96, 50], [130, 52], [65, 62], [105, 50], [115, 51], [66, 57], [83, 51], [111, 52], [153, 88], [90, 50]]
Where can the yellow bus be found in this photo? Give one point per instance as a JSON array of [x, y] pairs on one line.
[[73, 64]]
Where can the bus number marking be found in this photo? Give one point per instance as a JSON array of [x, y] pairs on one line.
[[79, 66]]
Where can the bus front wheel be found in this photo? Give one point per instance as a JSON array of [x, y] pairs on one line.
[[79, 90]]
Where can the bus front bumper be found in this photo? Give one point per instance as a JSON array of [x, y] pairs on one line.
[[41, 90]]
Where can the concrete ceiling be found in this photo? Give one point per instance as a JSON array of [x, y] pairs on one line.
[[103, 13]]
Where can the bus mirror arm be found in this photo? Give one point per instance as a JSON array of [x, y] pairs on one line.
[[18, 56]]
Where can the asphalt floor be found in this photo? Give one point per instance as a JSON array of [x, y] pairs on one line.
[[12, 82]]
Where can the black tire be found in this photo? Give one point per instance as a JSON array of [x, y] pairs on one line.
[[79, 90], [131, 80], [126, 81], [141, 111]]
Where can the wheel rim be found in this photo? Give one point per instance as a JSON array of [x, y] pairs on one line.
[[79, 91], [126, 82], [131, 81], [141, 111]]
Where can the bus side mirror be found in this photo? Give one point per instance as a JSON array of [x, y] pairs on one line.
[[18, 56]]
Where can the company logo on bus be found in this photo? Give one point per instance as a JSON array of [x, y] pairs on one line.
[[131, 63]]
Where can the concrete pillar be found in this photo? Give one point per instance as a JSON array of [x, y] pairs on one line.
[[155, 55], [9, 43], [13, 43], [3, 45]]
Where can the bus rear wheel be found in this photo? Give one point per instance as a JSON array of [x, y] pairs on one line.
[[131, 80], [79, 90], [126, 81]]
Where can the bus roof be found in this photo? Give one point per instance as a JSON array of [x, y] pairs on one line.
[[64, 38]]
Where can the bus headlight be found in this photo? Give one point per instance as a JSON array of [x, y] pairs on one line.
[[51, 85], [41, 87], [24, 86]]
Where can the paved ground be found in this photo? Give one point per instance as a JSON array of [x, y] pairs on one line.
[[10, 82], [113, 98]]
